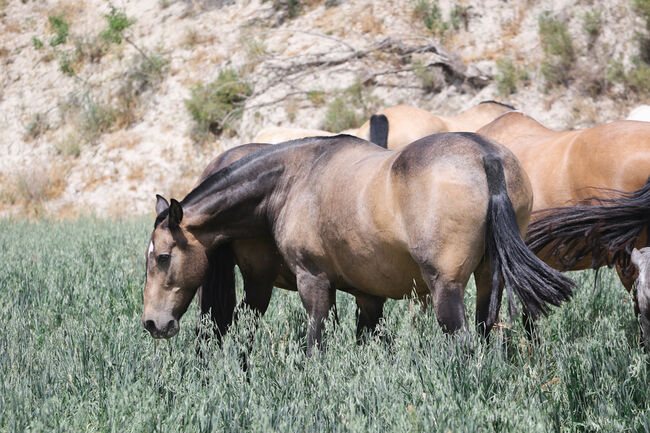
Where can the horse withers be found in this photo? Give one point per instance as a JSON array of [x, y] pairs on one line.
[[345, 214]]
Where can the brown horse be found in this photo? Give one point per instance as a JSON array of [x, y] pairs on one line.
[[408, 123], [346, 214], [585, 172], [567, 168], [262, 268]]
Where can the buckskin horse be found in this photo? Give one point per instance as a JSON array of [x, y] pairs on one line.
[[408, 123], [346, 214], [591, 192]]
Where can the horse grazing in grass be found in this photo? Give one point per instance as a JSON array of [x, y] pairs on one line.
[[346, 214], [408, 123], [590, 188], [262, 268]]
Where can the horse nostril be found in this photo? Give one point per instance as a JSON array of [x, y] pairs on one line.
[[149, 325], [170, 325]]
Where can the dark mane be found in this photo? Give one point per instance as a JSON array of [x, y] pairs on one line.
[[491, 101], [262, 156], [607, 232]]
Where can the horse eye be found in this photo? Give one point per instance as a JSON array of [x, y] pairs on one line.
[[163, 258]]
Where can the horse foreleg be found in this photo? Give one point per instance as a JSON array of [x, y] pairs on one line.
[[318, 297], [370, 310]]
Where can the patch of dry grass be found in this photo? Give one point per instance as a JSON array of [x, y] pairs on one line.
[[31, 187]]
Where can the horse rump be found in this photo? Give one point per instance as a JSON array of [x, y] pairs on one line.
[[606, 231], [534, 282]]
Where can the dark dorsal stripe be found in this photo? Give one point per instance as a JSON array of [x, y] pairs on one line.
[[491, 101]]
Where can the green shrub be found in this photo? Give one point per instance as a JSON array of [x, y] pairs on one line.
[[591, 24], [635, 80], [214, 105], [60, 28], [638, 78], [429, 12], [460, 16], [509, 76], [70, 145], [341, 116], [95, 118], [430, 78], [37, 43], [559, 54], [117, 22]]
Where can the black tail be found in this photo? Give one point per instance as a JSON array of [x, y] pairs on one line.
[[535, 283], [217, 293], [379, 130], [606, 232]]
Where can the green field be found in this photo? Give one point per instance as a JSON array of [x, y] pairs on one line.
[[75, 357]]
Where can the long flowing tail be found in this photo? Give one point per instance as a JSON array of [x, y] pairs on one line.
[[534, 282], [606, 232], [217, 293], [379, 130]]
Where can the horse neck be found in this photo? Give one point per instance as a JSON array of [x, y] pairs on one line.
[[233, 202]]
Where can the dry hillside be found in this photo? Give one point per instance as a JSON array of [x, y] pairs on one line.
[[104, 105]]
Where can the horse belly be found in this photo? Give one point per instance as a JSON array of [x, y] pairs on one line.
[[387, 272]]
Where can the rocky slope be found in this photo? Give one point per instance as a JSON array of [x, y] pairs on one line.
[[97, 125]]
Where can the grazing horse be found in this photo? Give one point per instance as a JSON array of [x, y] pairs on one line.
[[346, 214], [261, 266], [582, 219], [408, 123]]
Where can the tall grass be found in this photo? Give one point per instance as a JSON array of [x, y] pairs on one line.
[[75, 357]]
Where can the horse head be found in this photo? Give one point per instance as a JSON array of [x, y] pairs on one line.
[[175, 265]]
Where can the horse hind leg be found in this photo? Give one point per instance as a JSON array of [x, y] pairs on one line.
[[447, 295], [370, 310]]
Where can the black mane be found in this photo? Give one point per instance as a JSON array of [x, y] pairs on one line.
[[491, 101]]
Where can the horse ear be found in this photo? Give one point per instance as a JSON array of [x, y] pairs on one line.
[[637, 258], [175, 213], [161, 204]]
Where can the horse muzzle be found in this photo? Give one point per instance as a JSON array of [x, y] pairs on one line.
[[167, 330]]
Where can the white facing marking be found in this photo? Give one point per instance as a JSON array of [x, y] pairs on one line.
[[150, 248]]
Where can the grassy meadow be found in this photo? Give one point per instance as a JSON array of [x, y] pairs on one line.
[[75, 357]]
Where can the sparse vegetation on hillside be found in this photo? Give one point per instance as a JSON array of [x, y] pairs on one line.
[[559, 54], [509, 76], [429, 12], [431, 78], [350, 108], [215, 105], [38, 124], [59, 26]]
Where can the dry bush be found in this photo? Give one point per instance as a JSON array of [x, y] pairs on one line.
[[31, 187], [37, 125]]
